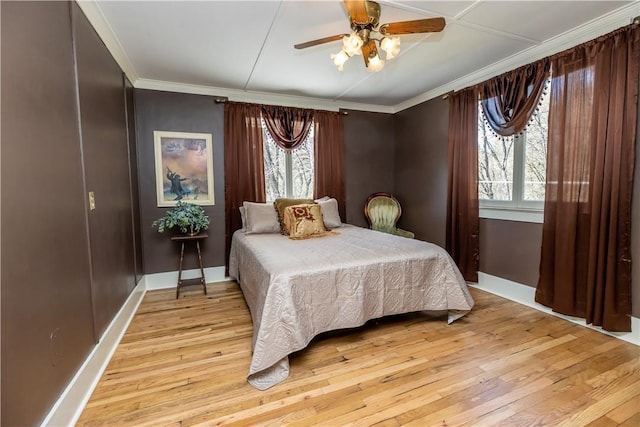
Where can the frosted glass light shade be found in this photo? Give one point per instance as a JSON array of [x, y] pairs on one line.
[[375, 64], [352, 44], [391, 46], [339, 59]]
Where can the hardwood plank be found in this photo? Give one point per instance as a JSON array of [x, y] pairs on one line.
[[625, 411], [184, 362], [608, 403]]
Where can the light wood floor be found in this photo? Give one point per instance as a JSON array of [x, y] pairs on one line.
[[184, 362]]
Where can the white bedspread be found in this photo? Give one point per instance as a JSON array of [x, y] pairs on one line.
[[296, 289]]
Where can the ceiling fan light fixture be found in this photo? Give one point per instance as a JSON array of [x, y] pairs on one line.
[[368, 36], [352, 44], [340, 58], [391, 46], [375, 64]]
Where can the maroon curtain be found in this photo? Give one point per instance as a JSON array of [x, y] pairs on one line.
[[509, 100], [243, 162], [329, 179], [288, 126], [462, 202], [585, 267]]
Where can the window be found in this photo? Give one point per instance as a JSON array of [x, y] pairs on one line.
[[288, 173], [512, 170]]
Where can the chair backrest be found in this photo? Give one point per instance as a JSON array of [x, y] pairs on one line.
[[382, 211]]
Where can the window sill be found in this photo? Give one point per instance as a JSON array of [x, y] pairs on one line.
[[522, 215]]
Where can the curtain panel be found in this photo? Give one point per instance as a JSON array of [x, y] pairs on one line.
[[329, 179], [509, 100], [243, 163], [463, 221], [288, 126], [244, 156], [585, 267]]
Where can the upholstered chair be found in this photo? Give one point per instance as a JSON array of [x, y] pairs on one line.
[[382, 211]]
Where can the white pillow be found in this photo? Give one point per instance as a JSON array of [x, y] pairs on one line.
[[330, 212], [260, 218]]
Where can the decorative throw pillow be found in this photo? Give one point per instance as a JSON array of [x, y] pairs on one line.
[[330, 212], [260, 218], [281, 204], [305, 221]]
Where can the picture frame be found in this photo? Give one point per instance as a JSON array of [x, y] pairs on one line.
[[184, 168]]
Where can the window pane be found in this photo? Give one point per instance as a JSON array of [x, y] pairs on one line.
[[274, 168], [302, 169], [536, 152], [288, 174], [495, 164]]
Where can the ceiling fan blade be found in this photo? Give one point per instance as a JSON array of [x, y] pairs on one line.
[[319, 41], [357, 10], [369, 50], [430, 25]]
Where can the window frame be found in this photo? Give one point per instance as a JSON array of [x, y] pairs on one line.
[[516, 209], [288, 163]]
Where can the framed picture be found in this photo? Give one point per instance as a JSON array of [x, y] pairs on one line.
[[184, 168]]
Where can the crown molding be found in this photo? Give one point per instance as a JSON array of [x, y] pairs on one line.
[[260, 97], [94, 14], [100, 24], [588, 31], [581, 34]]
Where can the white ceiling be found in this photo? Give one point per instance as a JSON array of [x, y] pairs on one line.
[[244, 49]]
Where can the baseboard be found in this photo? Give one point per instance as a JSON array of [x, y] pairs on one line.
[[169, 279], [525, 295], [69, 406], [67, 409]]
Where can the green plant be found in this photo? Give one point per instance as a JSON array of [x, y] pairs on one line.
[[187, 217]]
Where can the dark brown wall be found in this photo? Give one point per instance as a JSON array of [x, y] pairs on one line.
[[511, 250], [106, 165], [133, 174], [180, 113], [47, 326], [47, 312], [369, 160], [369, 153], [421, 169], [508, 249], [421, 177]]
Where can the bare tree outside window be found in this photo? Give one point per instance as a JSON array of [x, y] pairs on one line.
[[288, 173], [302, 160], [536, 152], [495, 164], [274, 168]]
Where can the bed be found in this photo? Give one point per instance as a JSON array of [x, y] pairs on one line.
[[296, 289]]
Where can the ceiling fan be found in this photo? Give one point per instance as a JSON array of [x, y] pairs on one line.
[[364, 16]]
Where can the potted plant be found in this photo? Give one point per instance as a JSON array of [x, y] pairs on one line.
[[187, 217]]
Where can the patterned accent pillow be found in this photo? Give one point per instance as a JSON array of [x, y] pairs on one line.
[[281, 204], [305, 221]]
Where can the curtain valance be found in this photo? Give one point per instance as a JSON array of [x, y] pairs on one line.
[[509, 100], [288, 126]]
